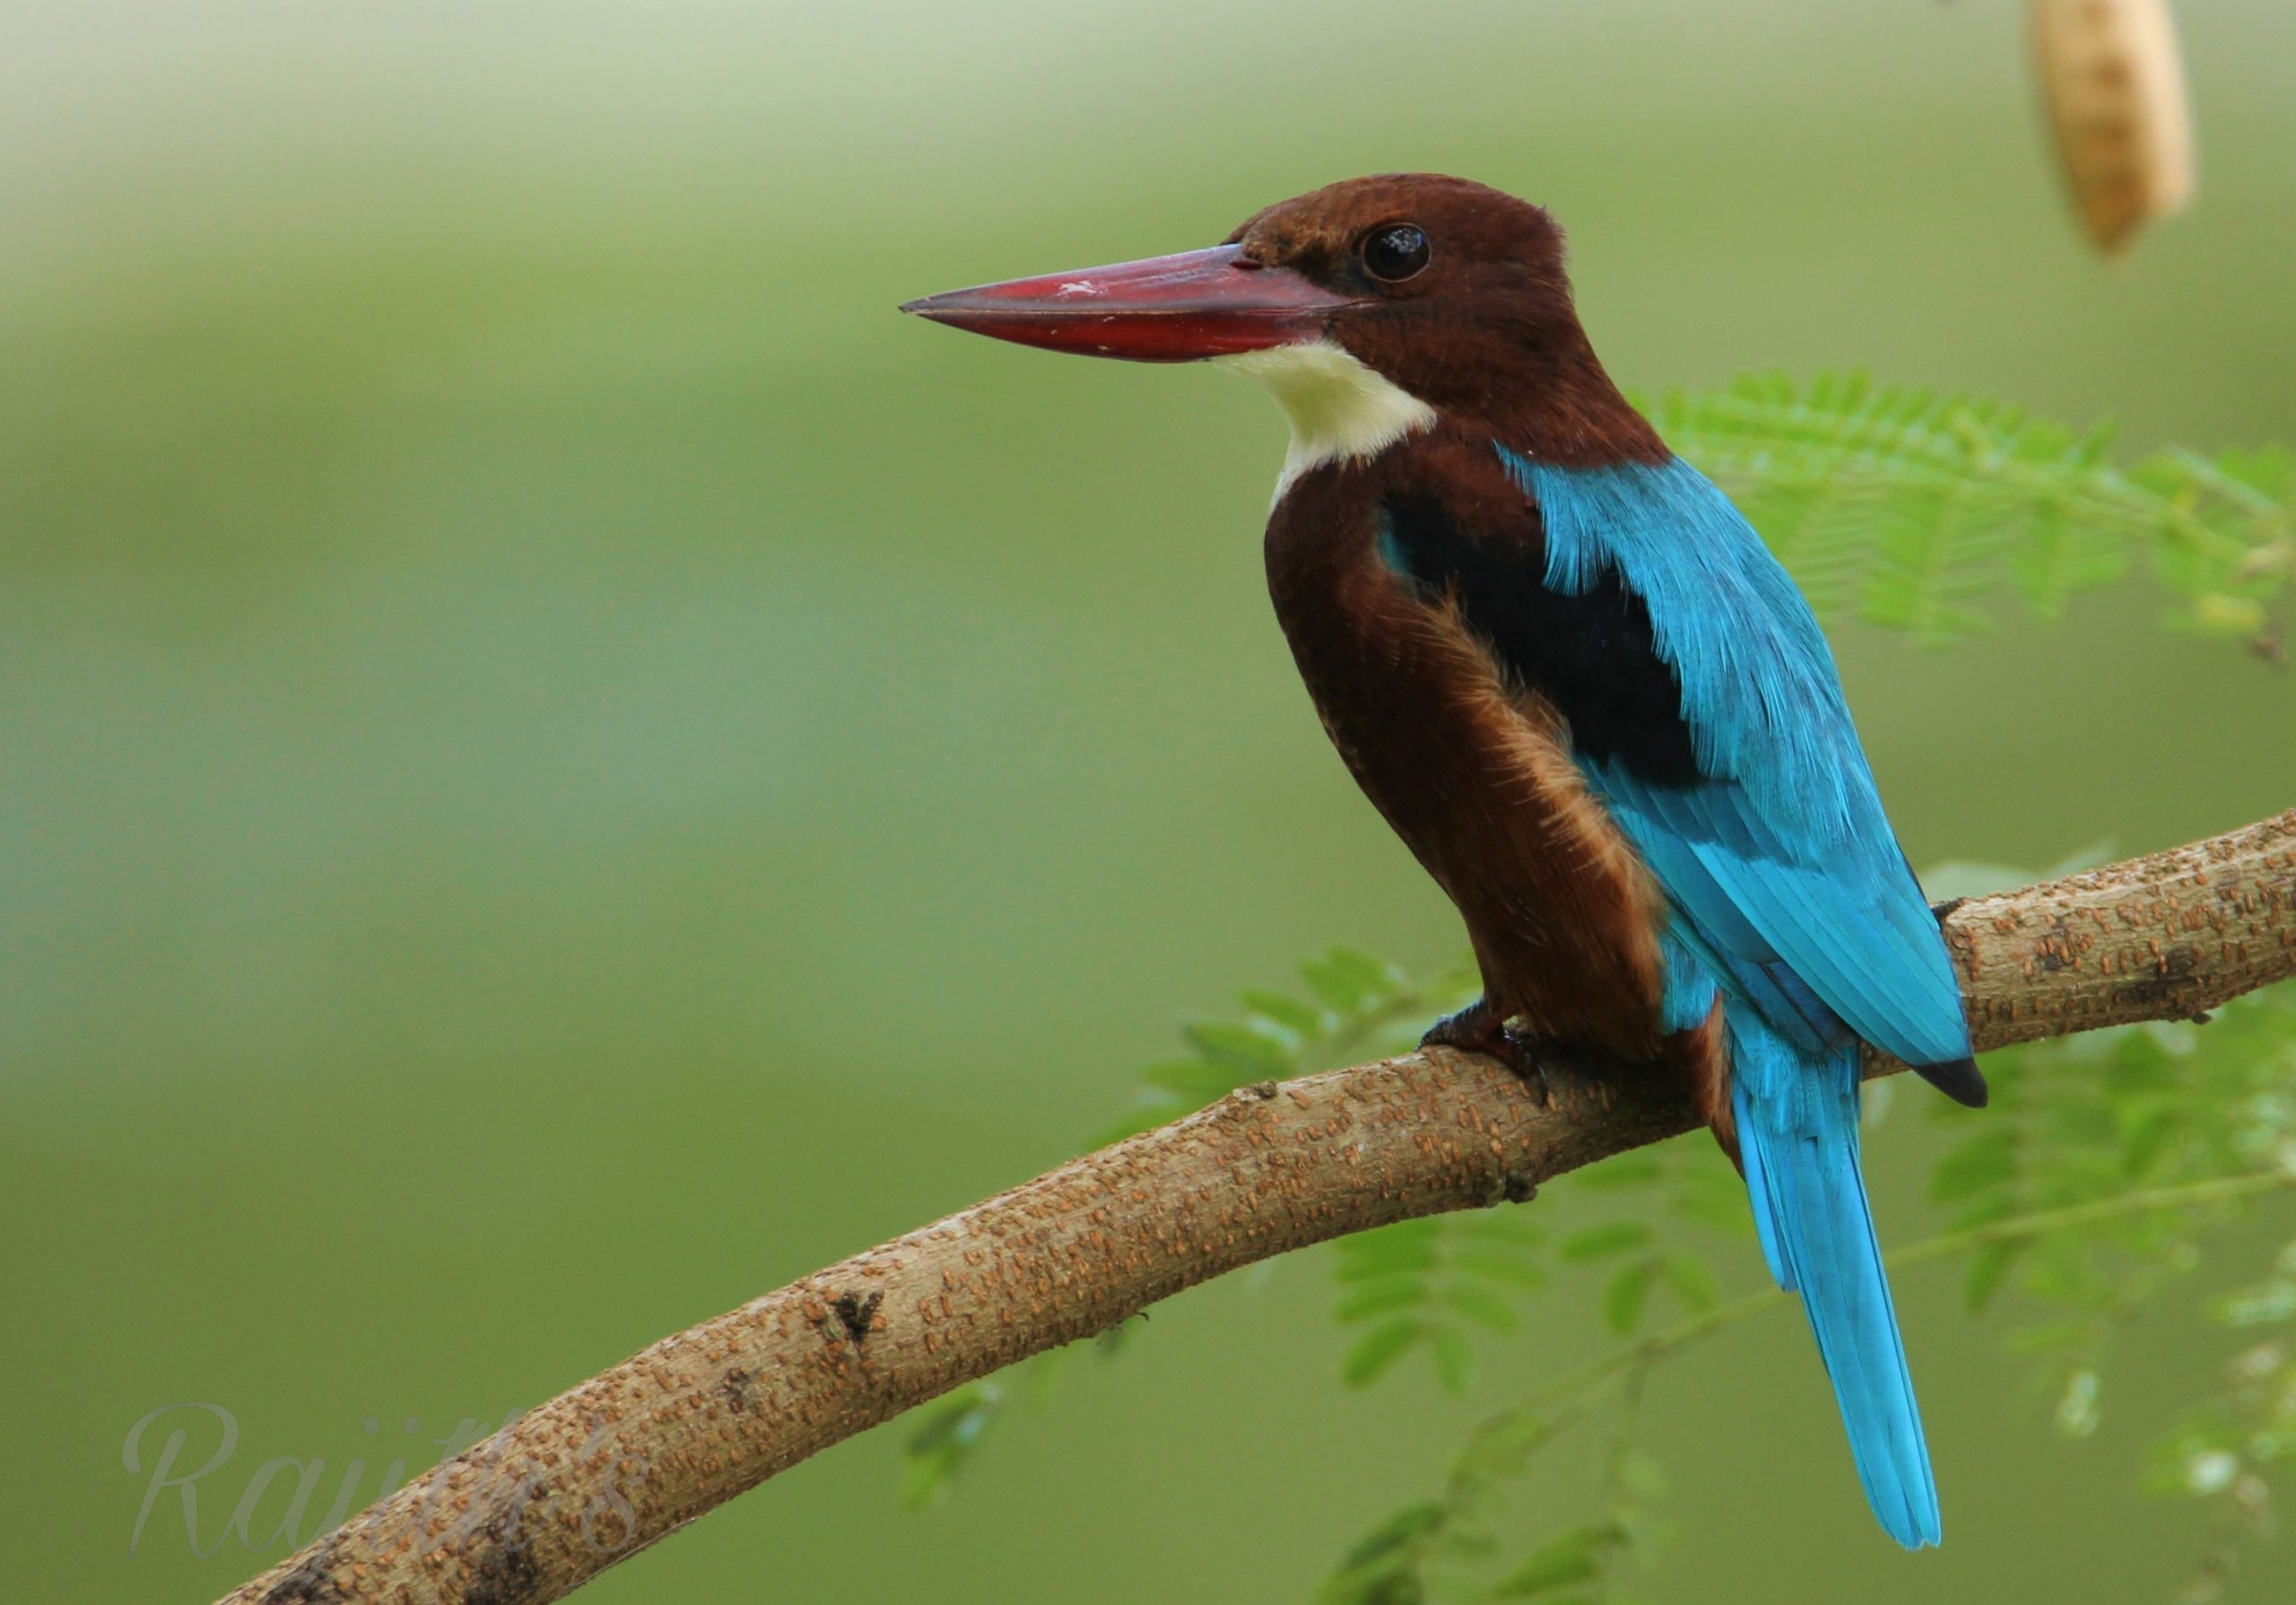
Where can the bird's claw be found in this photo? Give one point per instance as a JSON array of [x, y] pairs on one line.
[[1474, 1030]]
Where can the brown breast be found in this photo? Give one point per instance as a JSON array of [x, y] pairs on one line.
[[1474, 773]]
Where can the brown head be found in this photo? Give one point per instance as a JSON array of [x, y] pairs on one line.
[[1372, 309]]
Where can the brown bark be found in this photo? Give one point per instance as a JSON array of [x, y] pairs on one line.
[[620, 1461]]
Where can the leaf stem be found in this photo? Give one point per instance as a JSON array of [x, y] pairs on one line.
[[1641, 1355]]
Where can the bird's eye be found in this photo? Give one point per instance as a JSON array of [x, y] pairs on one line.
[[1394, 251]]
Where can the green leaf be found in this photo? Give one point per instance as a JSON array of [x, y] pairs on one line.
[[1691, 1280], [1917, 510], [1628, 1295], [1603, 1242], [1464, 1538], [1190, 1079], [1988, 1267], [1383, 1568], [1572, 1557], [1290, 1013], [1495, 1265], [1406, 1248], [1241, 1047], [1453, 1360], [1399, 1533], [2150, 1135], [1985, 1161], [1370, 1355], [1502, 1446], [1481, 1304], [1347, 978], [1382, 1298], [946, 1434]]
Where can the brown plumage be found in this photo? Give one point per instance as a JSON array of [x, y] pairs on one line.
[[1474, 773]]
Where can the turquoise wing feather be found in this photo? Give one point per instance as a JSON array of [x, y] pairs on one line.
[[1780, 861], [1789, 892]]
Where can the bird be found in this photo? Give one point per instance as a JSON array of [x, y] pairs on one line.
[[1568, 671]]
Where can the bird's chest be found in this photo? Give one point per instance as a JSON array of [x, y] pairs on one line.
[[1475, 774], [1421, 723]]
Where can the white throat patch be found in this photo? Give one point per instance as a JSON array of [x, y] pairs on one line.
[[1339, 410]]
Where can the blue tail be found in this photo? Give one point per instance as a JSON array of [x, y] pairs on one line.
[[1798, 1135]]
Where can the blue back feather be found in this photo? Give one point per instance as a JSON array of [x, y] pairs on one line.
[[1789, 894], [1783, 861]]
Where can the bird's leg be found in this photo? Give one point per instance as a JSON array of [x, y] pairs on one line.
[[1478, 1028]]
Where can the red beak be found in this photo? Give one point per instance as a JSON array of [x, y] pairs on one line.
[[1198, 304]]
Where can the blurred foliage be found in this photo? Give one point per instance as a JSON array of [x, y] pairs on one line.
[[2227, 1446], [945, 1434], [2083, 1193], [1351, 1005], [1912, 510]]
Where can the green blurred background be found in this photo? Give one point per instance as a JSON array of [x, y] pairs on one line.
[[563, 765]]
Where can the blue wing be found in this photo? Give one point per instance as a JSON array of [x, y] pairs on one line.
[[1781, 868]]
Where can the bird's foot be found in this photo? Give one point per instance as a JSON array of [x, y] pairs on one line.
[[1476, 1029]]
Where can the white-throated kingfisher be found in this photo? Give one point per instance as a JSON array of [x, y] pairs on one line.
[[1573, 679]]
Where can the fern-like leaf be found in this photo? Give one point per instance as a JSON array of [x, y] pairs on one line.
[[1918, 512]]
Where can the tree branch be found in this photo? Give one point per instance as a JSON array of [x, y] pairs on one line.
[[615, 1464]]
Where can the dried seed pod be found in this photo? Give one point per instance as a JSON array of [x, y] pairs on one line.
[[2116, 91]]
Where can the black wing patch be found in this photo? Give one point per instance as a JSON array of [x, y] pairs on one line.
[[1590, 655]]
